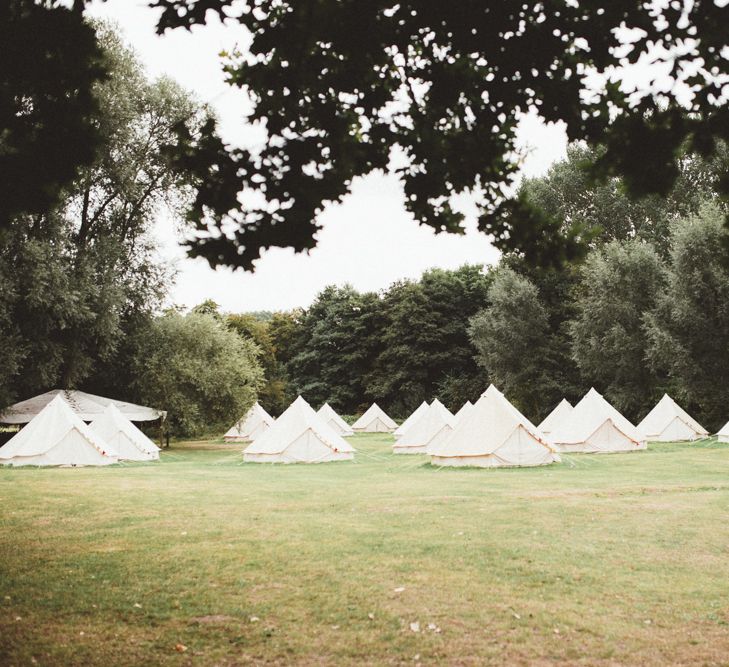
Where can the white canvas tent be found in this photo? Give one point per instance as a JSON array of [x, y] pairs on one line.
[[299, 435], [552, 421], [57, 436], [128, 441], [669, 422], [433, 425], [465, 410], [595, 426], [337, 424], [255, 422], [374, 420], [86, 406], [414, 415], [723, 435], [494, 434]]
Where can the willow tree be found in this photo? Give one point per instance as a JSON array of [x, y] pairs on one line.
[[78, 275]]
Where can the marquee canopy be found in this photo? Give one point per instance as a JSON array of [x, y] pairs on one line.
[[86, 406]]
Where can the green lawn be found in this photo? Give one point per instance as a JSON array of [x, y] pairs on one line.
[[620, 559]]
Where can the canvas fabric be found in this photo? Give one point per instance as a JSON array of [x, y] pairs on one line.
[[330, 416], [414, 415], [86, 406], [130, 443], [299, 435], [669, 422], [595, 426], [254, 423], [723, 434], [432, 427], [552, 421], [465, 410], [494, 434], [57, 436], [374, 420]]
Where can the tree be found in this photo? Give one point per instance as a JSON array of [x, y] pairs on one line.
[[338, 85], [511, 340], [208, 307], [339, 342], [80, 276], [204, 374], [602, 211], [50, 66], [274, 394], [688, 332], [620, 284], [426, 352], [556, 289]]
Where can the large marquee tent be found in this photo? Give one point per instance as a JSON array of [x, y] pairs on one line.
[[595, 426], [299, 435], [57, 436], [86, 406], [669, 422], [494, 434], [430, 428], [255, 422], [374, 420], [128, 441]]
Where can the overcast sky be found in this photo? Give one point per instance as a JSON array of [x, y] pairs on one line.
[[369, 240]]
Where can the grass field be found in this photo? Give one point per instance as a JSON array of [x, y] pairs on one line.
[[201, 559]]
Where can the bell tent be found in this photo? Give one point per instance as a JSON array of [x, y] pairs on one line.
[[494, 434], [595, 426], [723, 435], [465, 410], [337, 424], [128, 441], [552, 421], [433, 425], [57, 436], [374, 420], [255, 422], [414, 415], [299, 435], [669, 422]]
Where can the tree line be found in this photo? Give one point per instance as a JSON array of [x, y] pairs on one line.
[[646, 312]]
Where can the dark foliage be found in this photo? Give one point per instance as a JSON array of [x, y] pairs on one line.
[[50, 63], [338, 84]]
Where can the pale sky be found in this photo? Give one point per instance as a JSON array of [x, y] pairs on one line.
[[369, 240]]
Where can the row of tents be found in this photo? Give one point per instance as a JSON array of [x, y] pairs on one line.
[[490, 433], [59, 435], [257, 421]]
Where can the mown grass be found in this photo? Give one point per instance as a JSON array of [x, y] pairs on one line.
[[603, 560]]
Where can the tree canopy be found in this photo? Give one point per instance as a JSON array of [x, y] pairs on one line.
[[688, 331], [602, 211], [620, 284], [51, 62], [434, 91], [80, 275], [206, 375], [511, 338]]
